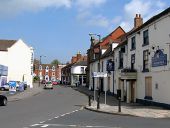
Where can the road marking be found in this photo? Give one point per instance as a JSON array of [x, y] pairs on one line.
[[74, 126], [42, 122], [34, 125], [44, 126]]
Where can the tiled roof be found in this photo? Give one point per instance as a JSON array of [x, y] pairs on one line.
[[5, 44], [81, 63]]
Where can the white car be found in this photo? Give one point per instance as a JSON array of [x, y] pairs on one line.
[[4, 87], [48, 85]]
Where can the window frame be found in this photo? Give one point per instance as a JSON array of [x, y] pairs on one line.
[[145, 37], [146, 60]]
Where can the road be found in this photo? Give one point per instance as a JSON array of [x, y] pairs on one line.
[[62, 108]]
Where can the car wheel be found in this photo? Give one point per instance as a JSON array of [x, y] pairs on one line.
[[2, 89], [4, 102]]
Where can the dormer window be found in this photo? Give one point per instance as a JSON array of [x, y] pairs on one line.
[[47, 68], [40, 67], [53, 68]]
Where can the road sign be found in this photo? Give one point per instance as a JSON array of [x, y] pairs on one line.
[[99, 74]]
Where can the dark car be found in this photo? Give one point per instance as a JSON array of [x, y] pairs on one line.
[[3, 100]]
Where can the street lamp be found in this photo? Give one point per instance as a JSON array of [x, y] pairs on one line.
[[39, 67], [98, 97]]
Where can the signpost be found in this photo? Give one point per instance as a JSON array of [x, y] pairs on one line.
[[12, 87], [96, 75]]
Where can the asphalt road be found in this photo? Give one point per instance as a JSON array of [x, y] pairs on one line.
[[62, 108]]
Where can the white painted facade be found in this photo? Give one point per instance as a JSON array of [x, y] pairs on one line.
[[19, 60], [159, 39], [78, 74]]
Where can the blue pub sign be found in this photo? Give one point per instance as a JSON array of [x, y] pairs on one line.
[[109, 65], [159, 59]]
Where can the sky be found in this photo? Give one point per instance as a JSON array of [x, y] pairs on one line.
[[59, 29]]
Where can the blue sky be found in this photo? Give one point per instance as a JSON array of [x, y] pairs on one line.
[[59, 29]]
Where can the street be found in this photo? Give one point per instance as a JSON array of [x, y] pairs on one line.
[[62, 107]]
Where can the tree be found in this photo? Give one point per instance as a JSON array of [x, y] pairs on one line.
[[55, 62]]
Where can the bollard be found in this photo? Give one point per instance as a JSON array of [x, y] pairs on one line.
[[89, 100], [119, 106], [98, 100]]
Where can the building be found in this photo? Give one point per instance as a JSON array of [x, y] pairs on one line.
[[95, 53], [75, 72], [18, 57], [48, 72]]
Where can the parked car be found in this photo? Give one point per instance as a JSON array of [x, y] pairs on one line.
[[3, 100], [55, 82], [48, 85], [4, 87]]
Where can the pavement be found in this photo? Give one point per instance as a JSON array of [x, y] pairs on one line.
[[127, 109], [26, 93]]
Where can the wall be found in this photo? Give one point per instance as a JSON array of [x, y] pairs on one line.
[[159, 36]]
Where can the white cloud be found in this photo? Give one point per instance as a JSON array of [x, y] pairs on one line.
[[99, 20], [86, 4], [9, 7], [146, 8]]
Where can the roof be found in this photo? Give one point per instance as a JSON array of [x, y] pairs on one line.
[[80, 63], [107, 53], [5, 44], [154, 18]]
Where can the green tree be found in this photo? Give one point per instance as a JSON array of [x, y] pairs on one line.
[[55, 62]]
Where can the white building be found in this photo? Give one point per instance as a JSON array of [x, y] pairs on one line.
[[78, 73], [144, 75], [18, 57]]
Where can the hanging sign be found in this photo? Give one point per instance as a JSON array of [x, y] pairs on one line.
[[159, 59]]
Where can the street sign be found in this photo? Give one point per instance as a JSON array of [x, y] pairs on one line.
[[99, 74]]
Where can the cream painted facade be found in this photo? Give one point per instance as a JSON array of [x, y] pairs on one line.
[[159, 40], [19, 60]]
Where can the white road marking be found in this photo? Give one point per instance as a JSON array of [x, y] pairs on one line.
[[34, 125], [42, 122], [44, 126], [75, 126]]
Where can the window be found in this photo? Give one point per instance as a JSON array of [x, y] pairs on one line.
[[40, 67], [82, 69], [133, 43], [145, 38], [53, 68], [145, 61], [120, 60], [102, 66], [53, 73], [98, 67], [47, 68], [132, 61]]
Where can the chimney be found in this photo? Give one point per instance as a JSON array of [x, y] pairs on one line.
[[138, 21], [79, 56]]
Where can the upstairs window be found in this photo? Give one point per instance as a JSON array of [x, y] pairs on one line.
[[133, 43], [120, 60], [53, 68], [47, 68], [40, 67], [145, 38], [145, 60], [82, 70], [132, 61]]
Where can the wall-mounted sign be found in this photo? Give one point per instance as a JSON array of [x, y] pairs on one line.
[[159, 59], [99, 74], [109, 65]]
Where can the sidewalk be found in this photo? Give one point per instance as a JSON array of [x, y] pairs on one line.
[[25, 94], [131, 109]]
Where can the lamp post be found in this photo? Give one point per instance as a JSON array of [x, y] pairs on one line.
[[39, 68], [98, 96]]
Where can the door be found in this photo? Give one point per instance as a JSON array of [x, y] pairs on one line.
[[148, 87], [132, 96], [101, 85]]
